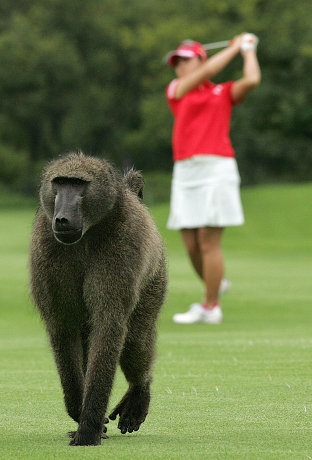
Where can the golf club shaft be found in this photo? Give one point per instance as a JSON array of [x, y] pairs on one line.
[[215, 45]]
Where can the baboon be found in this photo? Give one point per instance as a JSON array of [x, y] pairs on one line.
[[98, 278]]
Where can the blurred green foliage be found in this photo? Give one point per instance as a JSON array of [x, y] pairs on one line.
[[89, 75]]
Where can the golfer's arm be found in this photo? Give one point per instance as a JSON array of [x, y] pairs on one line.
[[251, 76], [208, 70]]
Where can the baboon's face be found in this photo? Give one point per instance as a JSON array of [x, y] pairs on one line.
[[76, 193], [67, 223]]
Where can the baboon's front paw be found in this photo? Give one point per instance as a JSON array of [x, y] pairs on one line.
[[132, 411], [72, 434], [86, 438], [128, 424]]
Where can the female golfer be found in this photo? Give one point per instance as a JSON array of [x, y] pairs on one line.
[[205, 194]]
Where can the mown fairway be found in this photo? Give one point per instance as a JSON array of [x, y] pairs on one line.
[[240, 390]]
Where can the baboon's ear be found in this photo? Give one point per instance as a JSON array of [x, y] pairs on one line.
[[135, 182]]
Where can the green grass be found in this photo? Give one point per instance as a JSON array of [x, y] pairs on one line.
[[240, 390]]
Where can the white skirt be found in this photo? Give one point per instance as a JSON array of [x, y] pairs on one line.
[[205, 192]]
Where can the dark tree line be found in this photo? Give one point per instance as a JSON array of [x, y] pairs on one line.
[[89, 75]]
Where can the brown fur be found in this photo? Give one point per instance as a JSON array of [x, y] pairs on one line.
[[98, 279]]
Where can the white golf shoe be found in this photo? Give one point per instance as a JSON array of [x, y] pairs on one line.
[[225, 286], [198, 314]]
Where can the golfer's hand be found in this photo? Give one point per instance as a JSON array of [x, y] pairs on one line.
[[249, 42]]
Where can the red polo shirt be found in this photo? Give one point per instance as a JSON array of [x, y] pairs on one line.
[[202, 120]]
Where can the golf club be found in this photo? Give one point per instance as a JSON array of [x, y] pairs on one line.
[[215, 45]]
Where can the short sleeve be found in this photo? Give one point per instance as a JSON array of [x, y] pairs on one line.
[[171, 89]]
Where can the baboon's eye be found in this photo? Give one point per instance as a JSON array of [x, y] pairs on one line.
[[77, 185], [76, 182], [73, 181]]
